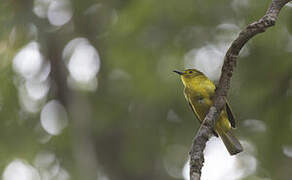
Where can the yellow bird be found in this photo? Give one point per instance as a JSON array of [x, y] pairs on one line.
[[198, 92]]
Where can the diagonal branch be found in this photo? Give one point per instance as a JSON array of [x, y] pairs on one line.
[[205, 131]]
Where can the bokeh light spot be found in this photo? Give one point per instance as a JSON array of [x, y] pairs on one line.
[[71, 46], [219, 165], [60, 12], [90, 85], [44, 159], [208, 59], [54, 117], [28, 61], [289, 4], [83, 63], [37, 90], [255, 125], [20, 170], [287, 150], [172, 116], [28, 103], [41, 8], [238, 5], [50, 167]]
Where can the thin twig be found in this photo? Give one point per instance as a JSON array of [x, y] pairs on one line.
[[205, 131]]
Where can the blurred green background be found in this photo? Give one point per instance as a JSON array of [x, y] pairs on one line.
[[87, 90]]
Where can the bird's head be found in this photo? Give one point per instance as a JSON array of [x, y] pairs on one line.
[[188, 75]]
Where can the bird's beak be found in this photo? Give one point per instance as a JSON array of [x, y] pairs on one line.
[[178, 72]]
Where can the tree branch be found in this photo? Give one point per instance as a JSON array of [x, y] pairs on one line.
[[205, 131]]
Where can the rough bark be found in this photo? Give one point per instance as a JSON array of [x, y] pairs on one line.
[[205, 131]]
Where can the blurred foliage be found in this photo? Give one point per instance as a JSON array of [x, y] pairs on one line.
[[138, 114]]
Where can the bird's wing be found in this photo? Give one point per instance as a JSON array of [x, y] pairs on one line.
[[192, 108], [230, 114], [195, 112], [199, 119]]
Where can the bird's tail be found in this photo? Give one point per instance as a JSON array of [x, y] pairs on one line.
[[231, 142]]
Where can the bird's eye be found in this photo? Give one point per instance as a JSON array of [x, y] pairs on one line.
[[190, 72]]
